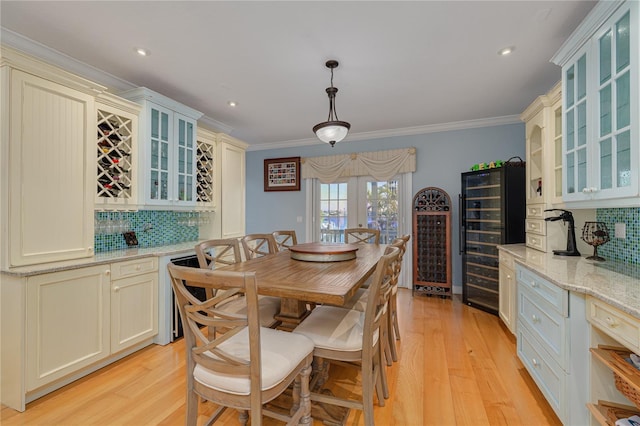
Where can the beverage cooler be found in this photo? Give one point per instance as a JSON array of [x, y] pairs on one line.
[[492, 212]]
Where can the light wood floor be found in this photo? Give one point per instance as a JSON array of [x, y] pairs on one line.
[[458, 366]]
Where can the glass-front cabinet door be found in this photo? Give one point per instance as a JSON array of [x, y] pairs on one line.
[[575, 95], [613, 148], [186, 158], [160, 129]]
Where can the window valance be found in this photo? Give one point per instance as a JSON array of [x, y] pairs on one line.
[[382, 165]]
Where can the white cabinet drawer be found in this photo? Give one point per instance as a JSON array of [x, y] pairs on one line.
[[535, 226], [506, 259], [557, 298], [619, 325], [132, 268], [547, 374], [535, 211], [536, 241], [546, 324]]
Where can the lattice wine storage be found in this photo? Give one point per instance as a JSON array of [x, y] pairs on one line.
[[114, 155], [204, 162], [432, 242]]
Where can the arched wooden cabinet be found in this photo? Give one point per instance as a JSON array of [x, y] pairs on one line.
[[432, 242]]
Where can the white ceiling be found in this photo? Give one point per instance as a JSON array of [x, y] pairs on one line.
[[404, 66]]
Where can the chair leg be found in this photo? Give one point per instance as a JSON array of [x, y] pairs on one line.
[[368, 386], [305, 396], [391, 336], [394, 315], [192, 408], [243, 417]]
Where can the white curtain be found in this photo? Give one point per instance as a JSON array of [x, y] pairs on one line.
[[382, 165]]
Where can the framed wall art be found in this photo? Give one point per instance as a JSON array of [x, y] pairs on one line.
[[282, 174]]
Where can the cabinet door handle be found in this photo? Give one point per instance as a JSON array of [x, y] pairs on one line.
[[107, 272], [508, 276], [612, 322], [535, 318], [534, 284], [116, 289], [535, 362]]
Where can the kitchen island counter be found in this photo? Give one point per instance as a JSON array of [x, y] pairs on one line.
[[615, 283]]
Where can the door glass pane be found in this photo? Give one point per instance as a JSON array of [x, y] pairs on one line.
[[623, 155], [164, 185], [622, 43], [155, 124], [582, 77], [570, 82], [154, 154], [570, 123], [570, 174], [189, 189], [382, 209], [333, 211], [154, 185], [605, 57], [181, 185], [165, 127], [582, 124], [180, 160], [605, 164], [164, 156], [181, 133], [623, 104], [605, 110], [582, 169], [190, 137]]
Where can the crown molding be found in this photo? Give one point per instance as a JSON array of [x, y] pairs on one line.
[[406, 131]]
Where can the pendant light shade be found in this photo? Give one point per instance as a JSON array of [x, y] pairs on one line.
[[333, 130]]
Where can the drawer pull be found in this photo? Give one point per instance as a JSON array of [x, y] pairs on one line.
[[612, 322], [535, 319], [535, 362], [508, 276], [138, 267], [534, 284], [107, 272], [116, 289]]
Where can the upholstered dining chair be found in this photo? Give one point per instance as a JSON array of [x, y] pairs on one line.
[[258, 245], [217, 253], [351, 336], [361, 236], [249, 365], [285, 239]]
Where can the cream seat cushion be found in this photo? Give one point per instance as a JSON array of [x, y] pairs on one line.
[[281, 352], [334, 328], [269, 307]]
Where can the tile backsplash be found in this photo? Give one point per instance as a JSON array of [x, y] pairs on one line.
[[621, 249], [152, 228]]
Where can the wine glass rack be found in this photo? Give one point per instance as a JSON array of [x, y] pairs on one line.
[[114, 155], [204, 174], [432, 242]]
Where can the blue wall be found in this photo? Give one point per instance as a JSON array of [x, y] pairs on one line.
[[441, 157]]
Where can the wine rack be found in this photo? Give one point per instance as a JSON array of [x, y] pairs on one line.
[[114, 148], [204, 173], [432, 242]]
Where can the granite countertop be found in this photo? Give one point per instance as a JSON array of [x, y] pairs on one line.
[[103, 258], [614, 282]]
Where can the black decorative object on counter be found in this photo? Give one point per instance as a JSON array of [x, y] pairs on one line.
[[492, 212], [567, 217], [595, 234], [432, 242]]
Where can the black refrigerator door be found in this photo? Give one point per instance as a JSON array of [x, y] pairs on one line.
[[483, 225]]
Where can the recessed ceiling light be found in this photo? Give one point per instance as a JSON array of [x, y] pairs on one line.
[[232, 104], [506, 51], [141, 51]]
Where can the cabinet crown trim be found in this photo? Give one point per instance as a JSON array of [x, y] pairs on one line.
[[143, 94], [584, 32]]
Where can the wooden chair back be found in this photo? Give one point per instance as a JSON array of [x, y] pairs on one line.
[[361, 236], [258, 245], [216, 253], [285, 239], [198, 316]]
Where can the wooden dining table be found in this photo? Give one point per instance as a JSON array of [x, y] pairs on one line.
[[299, 283]]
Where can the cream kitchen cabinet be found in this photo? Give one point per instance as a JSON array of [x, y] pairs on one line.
[[117, 153], [552, 340], [167, 167], [60, 326], [601, 91], [231, 172], [507, 289], [48, 161], [543, 127]]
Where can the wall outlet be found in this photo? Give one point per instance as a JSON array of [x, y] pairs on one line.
[[299, 219], [620, 230]]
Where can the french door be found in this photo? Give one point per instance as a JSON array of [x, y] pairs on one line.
[[359, 202]]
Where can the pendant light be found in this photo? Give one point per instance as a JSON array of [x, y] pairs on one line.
[[332, 130]]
